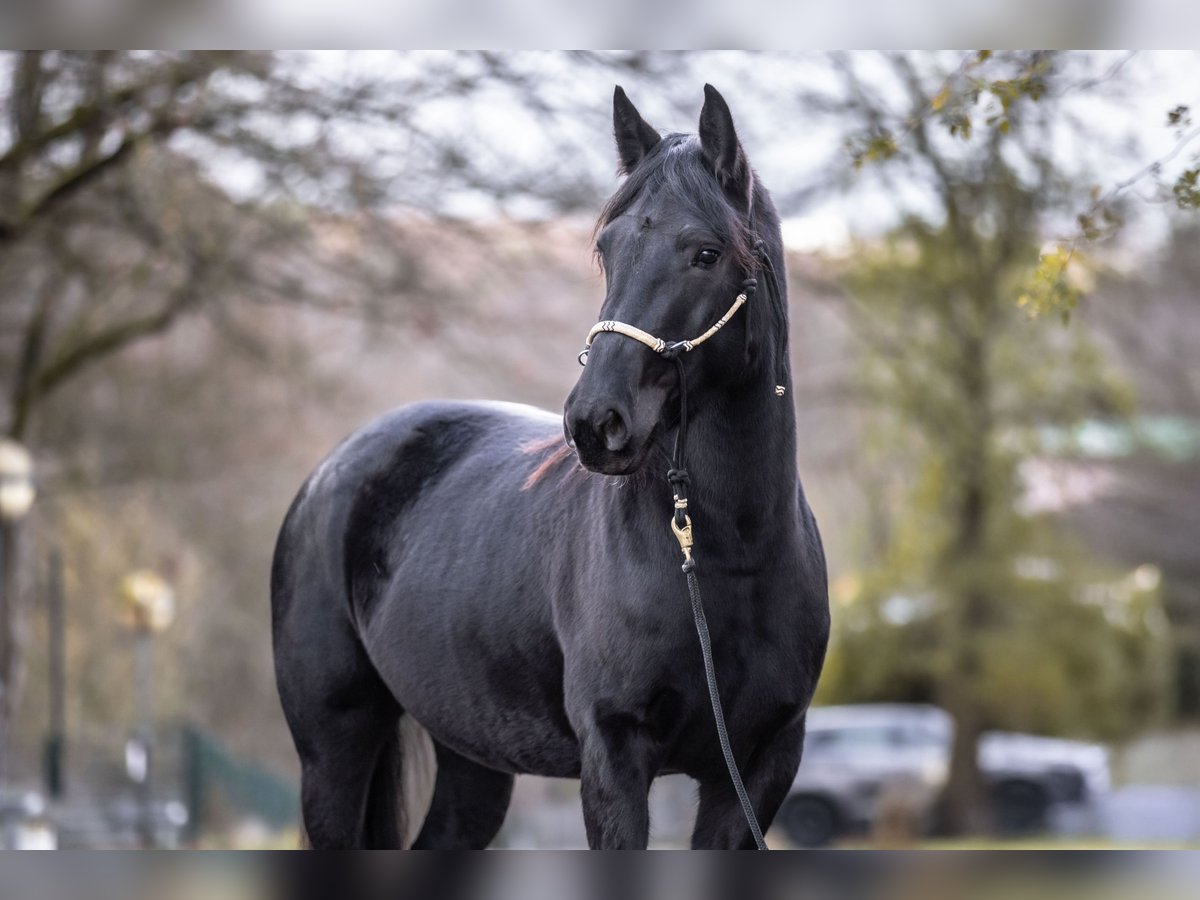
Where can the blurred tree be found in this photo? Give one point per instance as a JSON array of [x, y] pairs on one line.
[[975, 602], [140, 189], [1146, 319], [187, 452], [964, 379], [110, 234], [243, 195], [121, 173], [920, 121]]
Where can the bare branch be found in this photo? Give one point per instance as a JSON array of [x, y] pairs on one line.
[[102, 343]]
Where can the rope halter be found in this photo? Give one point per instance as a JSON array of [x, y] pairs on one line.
[[669, 349]]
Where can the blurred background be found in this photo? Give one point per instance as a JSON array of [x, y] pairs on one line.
[[214, 265]]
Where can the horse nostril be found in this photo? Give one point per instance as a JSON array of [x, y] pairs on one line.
[[570, 428], [593, 432], [612, 429]]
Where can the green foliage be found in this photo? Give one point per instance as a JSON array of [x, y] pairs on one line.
[[954, 111], [1071, 649], [1187, 189], [968, 594], [999, 89], [1029, 83], [976, 85], [1049, 289], [987, 84], [1180, 118], [872, 148]]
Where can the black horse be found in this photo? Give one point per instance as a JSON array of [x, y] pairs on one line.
[[449, 584]]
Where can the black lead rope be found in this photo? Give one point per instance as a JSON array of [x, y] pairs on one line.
[[677, 475], [718, 714], [681, 525]]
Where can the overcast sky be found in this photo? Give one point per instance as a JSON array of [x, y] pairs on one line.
[[1125, 121]]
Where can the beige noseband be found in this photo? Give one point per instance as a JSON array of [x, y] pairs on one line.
[[658, 345]]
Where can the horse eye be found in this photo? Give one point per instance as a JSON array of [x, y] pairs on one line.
[[707, 257]]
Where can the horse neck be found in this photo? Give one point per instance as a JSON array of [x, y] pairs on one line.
[[742, 456], [742, 440]]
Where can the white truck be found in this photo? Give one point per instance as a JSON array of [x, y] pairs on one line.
[[856, 756]]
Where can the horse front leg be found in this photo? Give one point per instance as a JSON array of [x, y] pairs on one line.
[[616, 771], [720, 823]]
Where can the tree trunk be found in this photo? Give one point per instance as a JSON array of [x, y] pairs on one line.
[[965, 808]]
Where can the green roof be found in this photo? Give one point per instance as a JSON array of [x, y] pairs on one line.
[[1173, 438]]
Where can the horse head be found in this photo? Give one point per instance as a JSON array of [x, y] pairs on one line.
[[676, 243]]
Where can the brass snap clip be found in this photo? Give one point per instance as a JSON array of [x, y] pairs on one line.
[[684, 536]]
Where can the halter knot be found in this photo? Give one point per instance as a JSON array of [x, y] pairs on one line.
[[674, 348]]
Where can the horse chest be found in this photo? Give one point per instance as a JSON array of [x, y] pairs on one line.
[[643, 664]]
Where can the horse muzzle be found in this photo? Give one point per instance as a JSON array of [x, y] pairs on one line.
[[604, 438]]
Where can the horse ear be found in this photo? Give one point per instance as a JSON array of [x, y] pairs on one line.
[[634, 137], [722, 150]]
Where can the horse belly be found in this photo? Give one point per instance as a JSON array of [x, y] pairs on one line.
[[501, 709], [470, 652], [453, 584]]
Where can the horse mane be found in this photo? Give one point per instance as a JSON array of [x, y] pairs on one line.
[[558, 453]]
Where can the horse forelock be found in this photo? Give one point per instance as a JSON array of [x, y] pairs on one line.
[[675, 169]]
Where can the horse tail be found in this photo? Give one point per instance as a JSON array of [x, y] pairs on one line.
[[401, 786]]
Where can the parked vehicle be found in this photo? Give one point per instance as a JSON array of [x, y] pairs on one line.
[[858, 759], [23, 823]]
